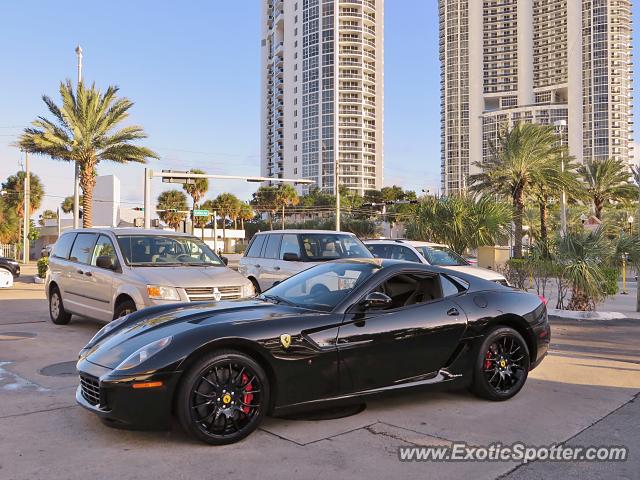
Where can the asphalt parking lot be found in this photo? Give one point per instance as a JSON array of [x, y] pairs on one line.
[[584, 393]]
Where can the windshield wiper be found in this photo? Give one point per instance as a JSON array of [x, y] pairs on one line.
[[276, 299]]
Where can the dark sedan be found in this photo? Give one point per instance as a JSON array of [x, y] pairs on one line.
[[11, 265], [335, 333]]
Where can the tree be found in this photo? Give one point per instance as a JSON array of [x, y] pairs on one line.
[[47, 215], [67, 204], [265, 201], [246, 213], [605, 181], [198, 189], [460, 221], [10, 225], [174, 204], [521, 155], [84, 131], [14, 199], [286, 196], [227, 205]]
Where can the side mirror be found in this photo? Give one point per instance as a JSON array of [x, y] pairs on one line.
[[291, 257], [376, 301], [106, 261], [225, 260]]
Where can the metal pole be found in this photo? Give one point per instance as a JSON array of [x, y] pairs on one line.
[[76, 182], [215, 232], [563, 200], [282, 217], [59, 226], [26, 215], [147, 197], [337, 189]]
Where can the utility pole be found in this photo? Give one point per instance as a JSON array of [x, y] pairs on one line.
[[59, 226], [76, 180], [26, 224], [560, 124], [337, 190]]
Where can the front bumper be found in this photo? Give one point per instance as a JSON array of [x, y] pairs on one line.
[[542, 333], [118, 404]]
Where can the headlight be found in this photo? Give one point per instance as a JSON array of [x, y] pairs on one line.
[[157, 292], [144, 353], [248, 291]]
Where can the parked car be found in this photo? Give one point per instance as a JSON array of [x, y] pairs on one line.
[[336, 333], [108, 273], [276, 255], [430, 253], [11, 265]]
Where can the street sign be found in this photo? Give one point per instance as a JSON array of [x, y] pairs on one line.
[[183, 181], [201, 213]]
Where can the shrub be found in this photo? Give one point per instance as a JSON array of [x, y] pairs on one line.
[[43, 266], [610, 285]]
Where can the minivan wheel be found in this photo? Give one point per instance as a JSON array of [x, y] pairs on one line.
[[56, 308], [124, 308]]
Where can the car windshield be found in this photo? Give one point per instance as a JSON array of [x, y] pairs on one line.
[[166, 251], [441, 256], [318, 247], [321, 287]]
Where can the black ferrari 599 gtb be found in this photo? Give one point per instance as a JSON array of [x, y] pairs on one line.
[[335, 333]]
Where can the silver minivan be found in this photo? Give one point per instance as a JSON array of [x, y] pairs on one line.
[[278, 254], [106, 273]]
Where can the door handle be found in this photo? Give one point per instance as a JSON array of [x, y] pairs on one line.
[[453, 312], [79, 272], [276, 268], [88, 274], [257, 266]]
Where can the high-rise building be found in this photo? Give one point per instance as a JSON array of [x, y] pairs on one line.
[[322, 91], [555, 62]]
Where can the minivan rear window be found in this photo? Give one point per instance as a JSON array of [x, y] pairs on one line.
[[62, 248]]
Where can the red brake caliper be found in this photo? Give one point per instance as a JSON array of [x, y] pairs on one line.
[[487, 360], [247, 397]]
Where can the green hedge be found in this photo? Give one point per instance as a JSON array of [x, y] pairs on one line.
[[43, 266]]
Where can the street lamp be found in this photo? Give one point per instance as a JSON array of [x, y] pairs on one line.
[[560, 124], [630, 223], [76, 178]]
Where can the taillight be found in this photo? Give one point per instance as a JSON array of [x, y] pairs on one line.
[[544, 300]]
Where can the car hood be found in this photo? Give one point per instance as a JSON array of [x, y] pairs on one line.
[[479, 272], [141, 328], [190, 276]]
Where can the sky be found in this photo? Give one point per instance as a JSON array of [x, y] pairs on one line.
[[193, 70]]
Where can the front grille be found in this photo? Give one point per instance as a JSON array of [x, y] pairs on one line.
[[90, 387], [198, 294]]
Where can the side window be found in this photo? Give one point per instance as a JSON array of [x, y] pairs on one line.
[[290, 244], [404, 253], [256, 246], [104, 248], [83, 247], [407, 289], [272, 250], [63, 246], [378, 250]]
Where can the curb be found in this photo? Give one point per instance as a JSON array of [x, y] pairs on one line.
[[578, 315]]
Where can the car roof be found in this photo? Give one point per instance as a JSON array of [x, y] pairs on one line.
[[300, 231], [413, 243], [128, 231]]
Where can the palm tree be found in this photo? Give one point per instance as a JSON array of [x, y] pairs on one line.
[[607, 180], [47, 215], [460, 221], [286, 196], [198, 188], [227, 205], [67, 204], [14, 199], [84, 131], [265, 201], [174, 204], [246, 213], [521, 155]]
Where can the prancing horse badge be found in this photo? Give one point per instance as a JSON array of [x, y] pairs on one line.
[[285, 340]]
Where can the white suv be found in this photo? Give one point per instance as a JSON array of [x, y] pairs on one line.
[[278, 254], [107, 273], [430, 254]]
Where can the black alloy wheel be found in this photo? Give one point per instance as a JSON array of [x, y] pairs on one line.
[[502, 365], [223, 397]]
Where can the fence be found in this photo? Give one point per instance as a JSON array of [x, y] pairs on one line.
[[9, 251]]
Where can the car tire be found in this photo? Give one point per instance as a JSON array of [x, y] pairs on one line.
[[502, 365], [57, 313], [208, 397], [124, 308]]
